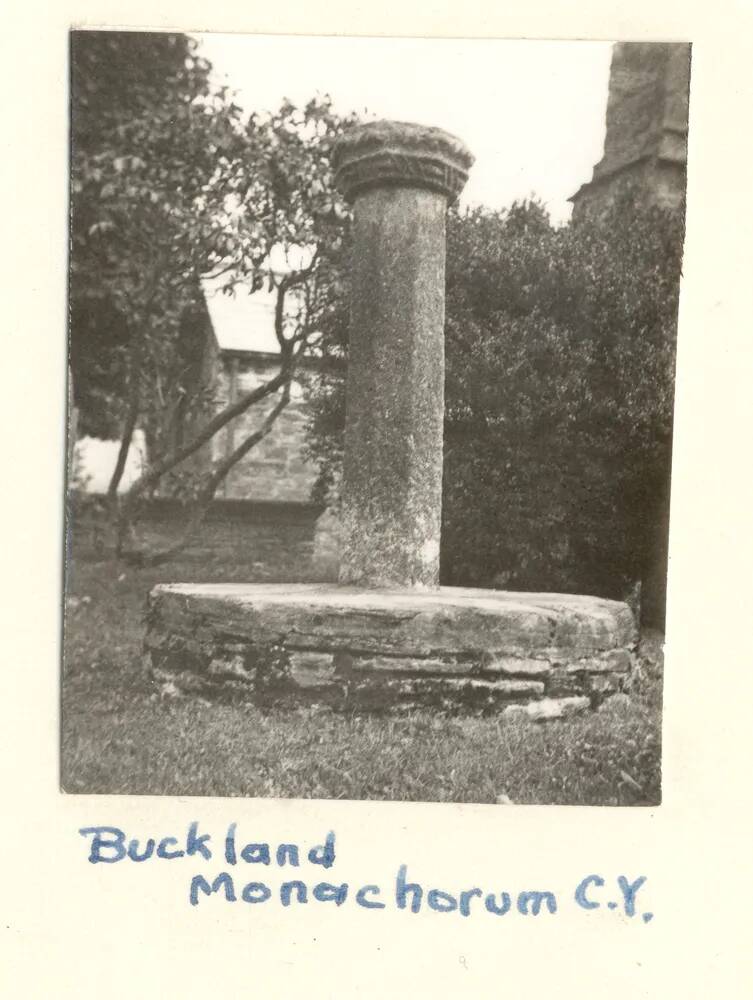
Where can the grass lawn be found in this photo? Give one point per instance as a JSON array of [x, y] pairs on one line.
[[122, 733]]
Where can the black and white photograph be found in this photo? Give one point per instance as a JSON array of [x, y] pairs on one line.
[[371, 382]]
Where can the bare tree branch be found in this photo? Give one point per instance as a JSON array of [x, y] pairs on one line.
[[253, 439], [126, 437], [129, 425], [153, 474], [156, 557], [291, 348]]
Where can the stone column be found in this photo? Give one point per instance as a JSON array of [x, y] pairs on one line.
[[401, 178], [392, 636]]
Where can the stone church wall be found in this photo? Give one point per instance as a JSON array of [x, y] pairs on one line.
[[645, 146], [274, 469]]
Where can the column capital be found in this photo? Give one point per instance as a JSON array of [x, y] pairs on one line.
[[400, 154]]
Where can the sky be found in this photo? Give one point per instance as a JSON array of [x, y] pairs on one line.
[[532, 112]]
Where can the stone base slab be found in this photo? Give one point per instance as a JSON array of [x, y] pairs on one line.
[[539, 655]]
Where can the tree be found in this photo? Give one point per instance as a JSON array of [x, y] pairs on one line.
[[560, 347], [121, 84], [166, 192]]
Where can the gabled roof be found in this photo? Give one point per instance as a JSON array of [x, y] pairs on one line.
[[242, 322]]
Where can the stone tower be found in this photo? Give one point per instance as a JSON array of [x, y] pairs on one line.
[[645, 149]]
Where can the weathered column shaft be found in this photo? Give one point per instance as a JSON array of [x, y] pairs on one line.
[[392, 484], [401, 178]]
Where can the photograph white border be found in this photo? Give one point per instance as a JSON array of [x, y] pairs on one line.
[[80, 930]]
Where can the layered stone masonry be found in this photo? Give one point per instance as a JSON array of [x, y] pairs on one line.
[[275, 469], [645, 146], [542, 656]]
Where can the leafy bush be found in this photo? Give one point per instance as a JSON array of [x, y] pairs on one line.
[[560, 350]]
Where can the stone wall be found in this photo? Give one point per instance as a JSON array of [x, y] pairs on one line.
[[250, 540], [275, 468], [650, 181]]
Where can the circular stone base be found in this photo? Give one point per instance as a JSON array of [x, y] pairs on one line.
[[543, 655]]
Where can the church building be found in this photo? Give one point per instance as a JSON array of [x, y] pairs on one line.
[[645, 149]]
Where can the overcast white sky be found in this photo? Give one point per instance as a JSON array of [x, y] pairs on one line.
[[532, 112]]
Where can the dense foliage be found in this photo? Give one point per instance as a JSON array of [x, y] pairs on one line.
[[139, 156], [559, 393]]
